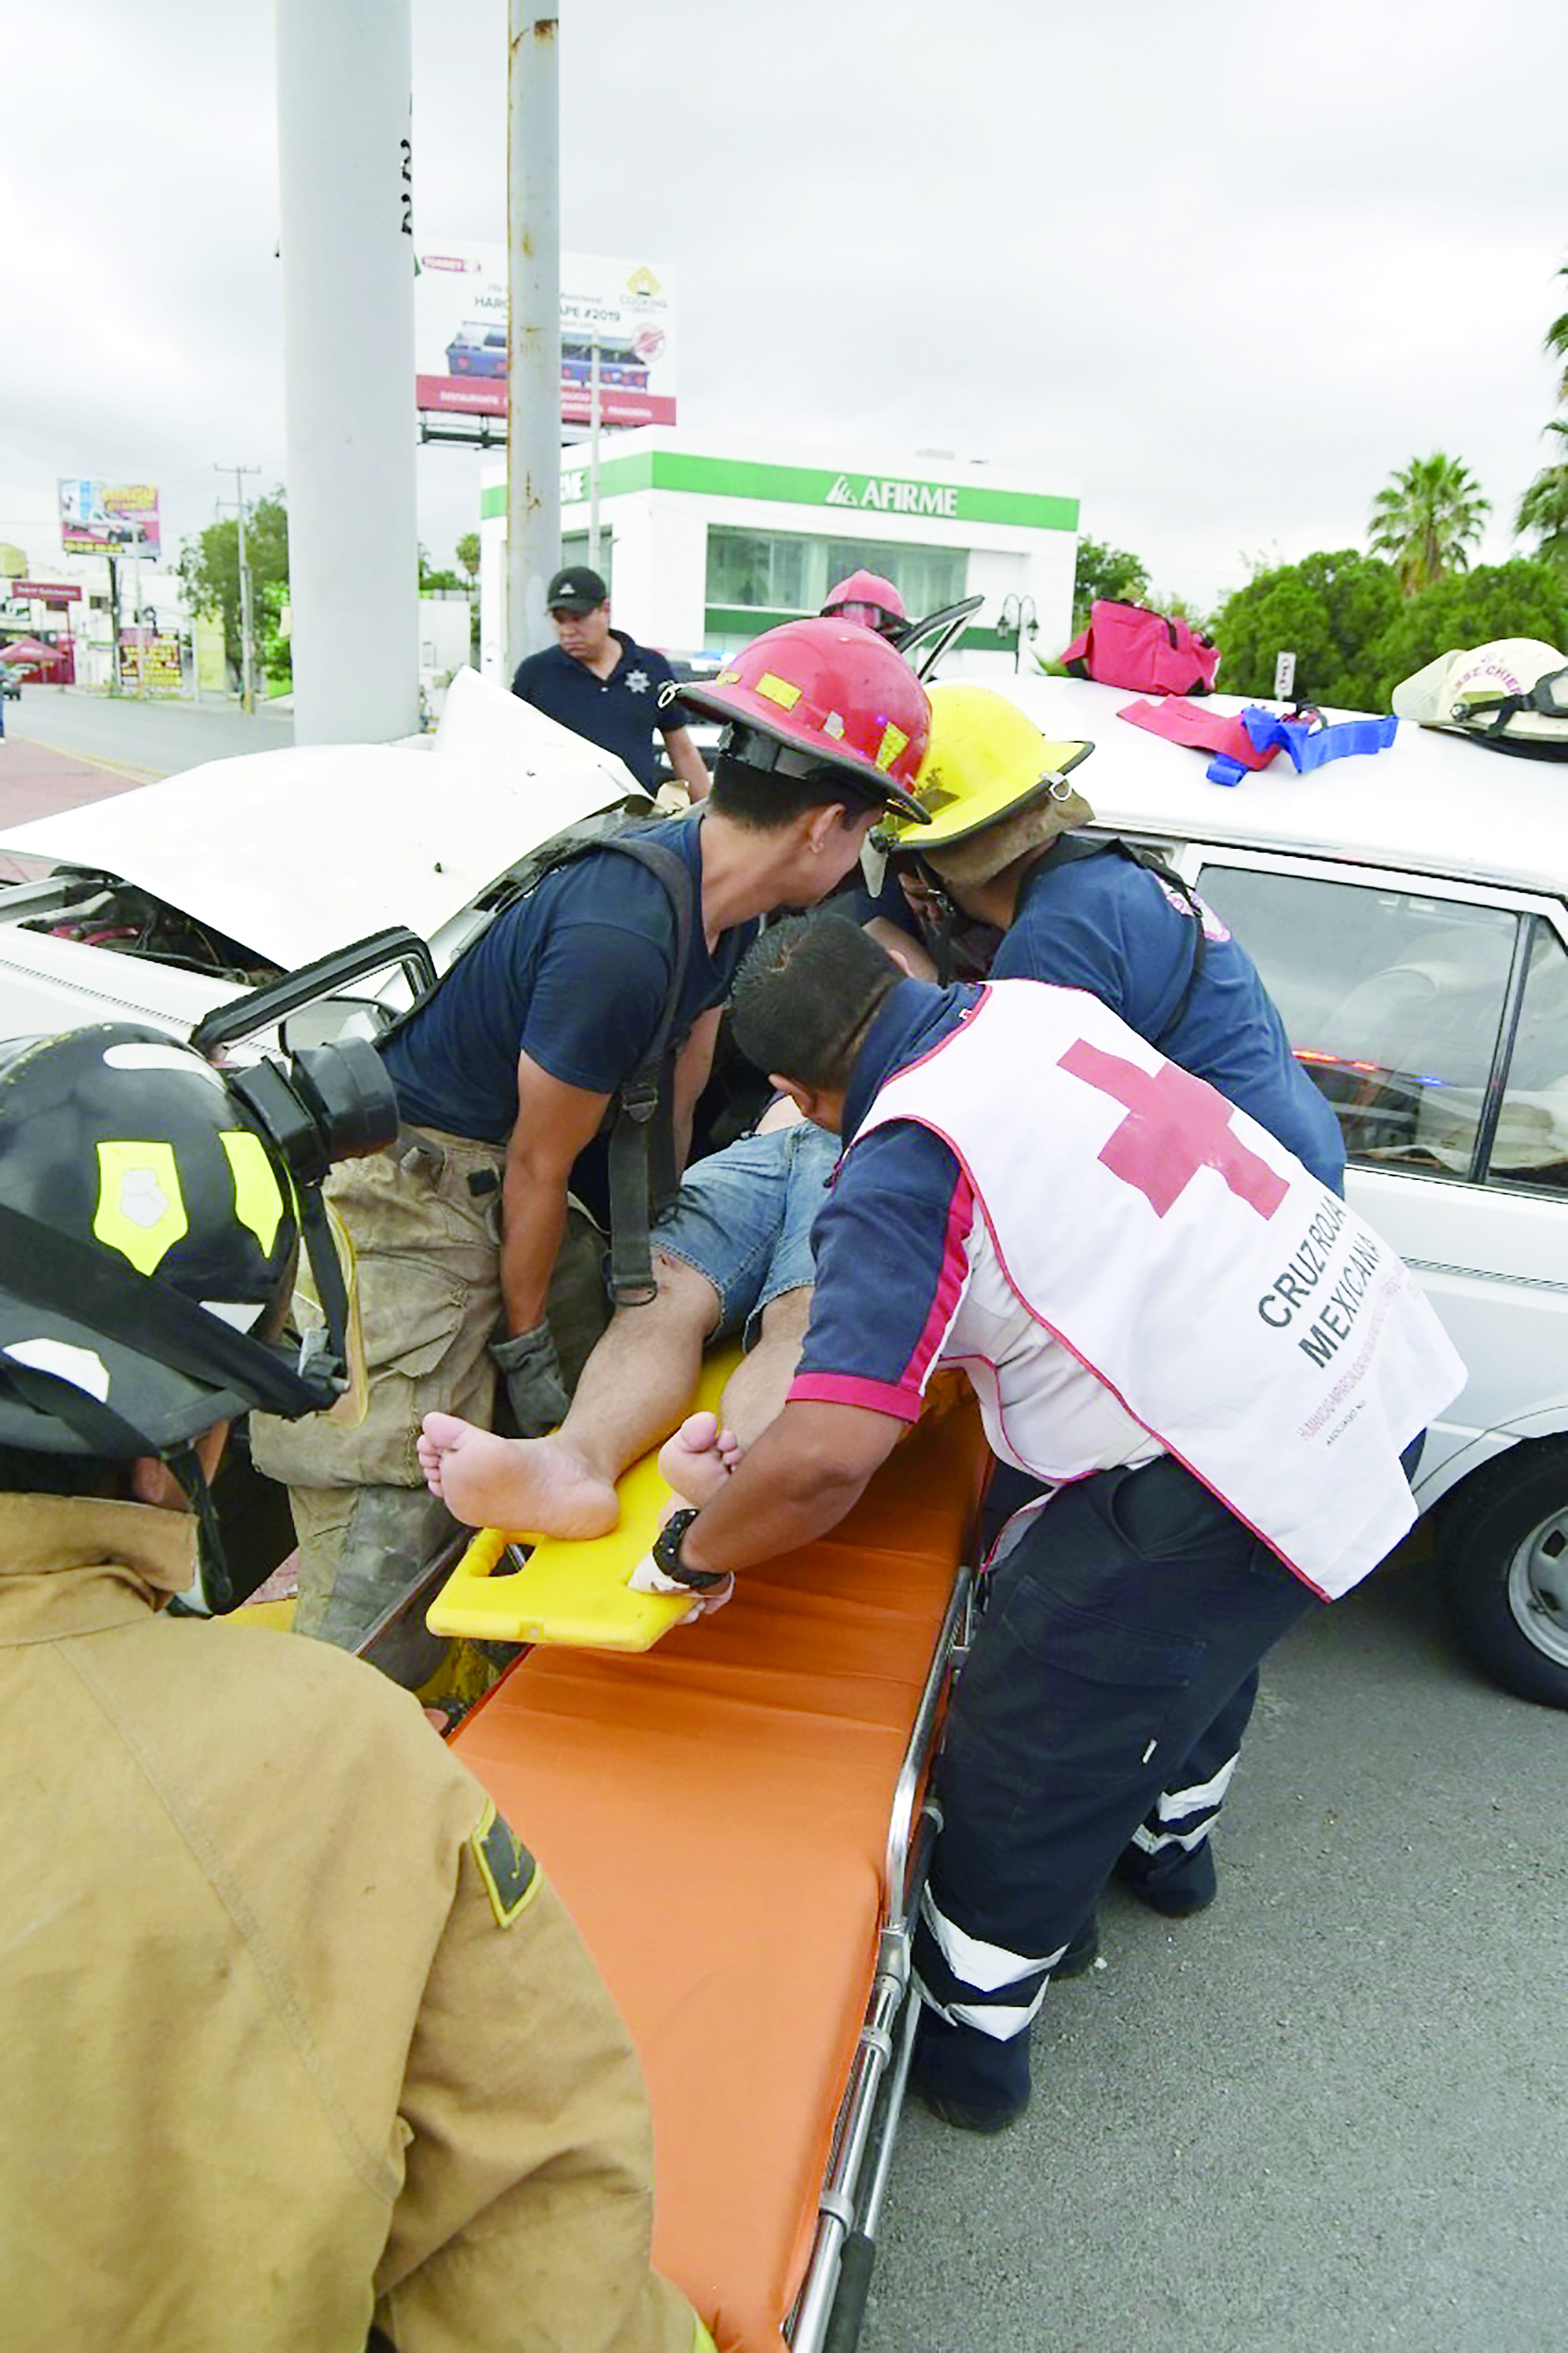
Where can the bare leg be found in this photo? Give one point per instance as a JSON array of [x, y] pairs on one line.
[[755, 1391], [633, 1389], [707, 1447]]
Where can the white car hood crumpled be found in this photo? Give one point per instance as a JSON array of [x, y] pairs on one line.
[[296, 854]]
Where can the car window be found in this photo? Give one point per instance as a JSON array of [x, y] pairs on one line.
[[1392, 1000], [1531, 1146]]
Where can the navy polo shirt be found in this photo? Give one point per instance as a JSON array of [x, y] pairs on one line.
[[621, 711], [1107, 925], [576, 976], [890, 1244]]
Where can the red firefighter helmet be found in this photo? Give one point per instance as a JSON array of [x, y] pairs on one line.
[[867, 597], [824, 693]]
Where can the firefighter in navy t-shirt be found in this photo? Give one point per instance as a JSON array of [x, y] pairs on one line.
[[506, 1074]]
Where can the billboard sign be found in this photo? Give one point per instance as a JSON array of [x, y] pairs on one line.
[[101, 518], [460, 336]]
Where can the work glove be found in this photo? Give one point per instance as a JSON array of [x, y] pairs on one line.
[[649, 1577], [531, 1371]]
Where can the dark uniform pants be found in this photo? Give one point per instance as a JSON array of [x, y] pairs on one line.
[[1116, 1658]]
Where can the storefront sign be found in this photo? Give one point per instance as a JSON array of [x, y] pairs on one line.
[[48, 592], [150, 657]]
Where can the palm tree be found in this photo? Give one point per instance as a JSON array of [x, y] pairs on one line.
[[1426, 518], [1556, 343], [1543, 509]]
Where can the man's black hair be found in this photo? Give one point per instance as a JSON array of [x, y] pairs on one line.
[[765, 802], [804, 997]]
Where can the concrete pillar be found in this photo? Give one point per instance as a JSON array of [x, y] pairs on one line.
[[345, 172]]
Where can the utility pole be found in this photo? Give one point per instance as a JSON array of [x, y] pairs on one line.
[[246, 673], [533, 325], [594, 453]]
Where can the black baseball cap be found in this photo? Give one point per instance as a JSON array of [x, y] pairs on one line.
[[575, 590]]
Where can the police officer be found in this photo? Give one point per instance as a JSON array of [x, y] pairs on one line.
[[603, 686], [297, 2036], [1099, 1250], [507, 1071]]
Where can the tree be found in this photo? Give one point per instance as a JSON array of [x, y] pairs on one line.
[[1556, 342], [1108, 572], [209, 573], [1526, 598], [467, 554], [1328, 611], [1543, 509], [1426, 518], [434, 581]]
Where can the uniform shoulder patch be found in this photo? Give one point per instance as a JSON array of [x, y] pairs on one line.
[[510, 1873]]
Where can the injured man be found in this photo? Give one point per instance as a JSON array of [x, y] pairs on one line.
[[732, 1256]]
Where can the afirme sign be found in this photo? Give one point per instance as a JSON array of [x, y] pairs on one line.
[[891, 497], [811, 486]]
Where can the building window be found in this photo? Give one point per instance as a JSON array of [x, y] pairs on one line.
[[791, 571]]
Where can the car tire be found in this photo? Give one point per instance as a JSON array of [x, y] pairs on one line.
[[1504, 1548]]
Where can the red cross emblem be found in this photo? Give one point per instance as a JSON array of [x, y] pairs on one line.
[[1176, 1125]]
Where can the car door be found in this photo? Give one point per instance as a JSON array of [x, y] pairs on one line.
[[1434, 1015]]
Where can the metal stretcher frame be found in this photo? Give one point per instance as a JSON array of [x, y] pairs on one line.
[[831, 2304], [829, 1678]]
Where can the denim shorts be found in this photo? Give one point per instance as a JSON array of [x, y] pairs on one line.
[[743, 1220]]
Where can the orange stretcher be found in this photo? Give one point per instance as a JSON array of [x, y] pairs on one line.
[[737, 1820]]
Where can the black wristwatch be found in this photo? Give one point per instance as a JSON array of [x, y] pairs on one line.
[[667, 1555]]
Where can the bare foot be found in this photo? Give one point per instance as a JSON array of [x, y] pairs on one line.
[[698, 1459], [534, 1485]]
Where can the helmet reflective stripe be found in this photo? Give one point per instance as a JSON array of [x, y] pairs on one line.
[[141, 1208], [258, 1203], [83, 1368]]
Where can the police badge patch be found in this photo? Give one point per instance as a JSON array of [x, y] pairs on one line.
[[509, 1871]]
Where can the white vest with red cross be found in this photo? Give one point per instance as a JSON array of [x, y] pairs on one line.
[[1240, 1313]]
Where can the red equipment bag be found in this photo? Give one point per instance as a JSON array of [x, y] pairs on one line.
[[1132, 646]]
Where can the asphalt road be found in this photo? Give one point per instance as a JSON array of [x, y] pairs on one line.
[[1329, 2114], [152, 739]]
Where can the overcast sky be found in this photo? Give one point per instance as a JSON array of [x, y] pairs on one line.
[[1222, 268]]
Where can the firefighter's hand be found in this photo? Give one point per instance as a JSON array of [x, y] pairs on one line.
[[649, 1577], [531, 1371]]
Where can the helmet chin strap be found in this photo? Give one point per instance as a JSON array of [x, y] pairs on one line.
[[184, 1466]]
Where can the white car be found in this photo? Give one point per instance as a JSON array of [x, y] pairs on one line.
[[1409, 912]]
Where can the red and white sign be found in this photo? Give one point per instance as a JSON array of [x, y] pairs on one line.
[[626, 308], [46, 591]]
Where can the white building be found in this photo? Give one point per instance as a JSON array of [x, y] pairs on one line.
[[705, 543]]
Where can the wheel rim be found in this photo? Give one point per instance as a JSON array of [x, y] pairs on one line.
[[1538, 1587]]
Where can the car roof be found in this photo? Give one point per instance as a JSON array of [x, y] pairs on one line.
[[1434, 802]]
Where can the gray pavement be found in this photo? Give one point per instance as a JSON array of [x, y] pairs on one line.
[[150, 739], [1331, 2113]]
